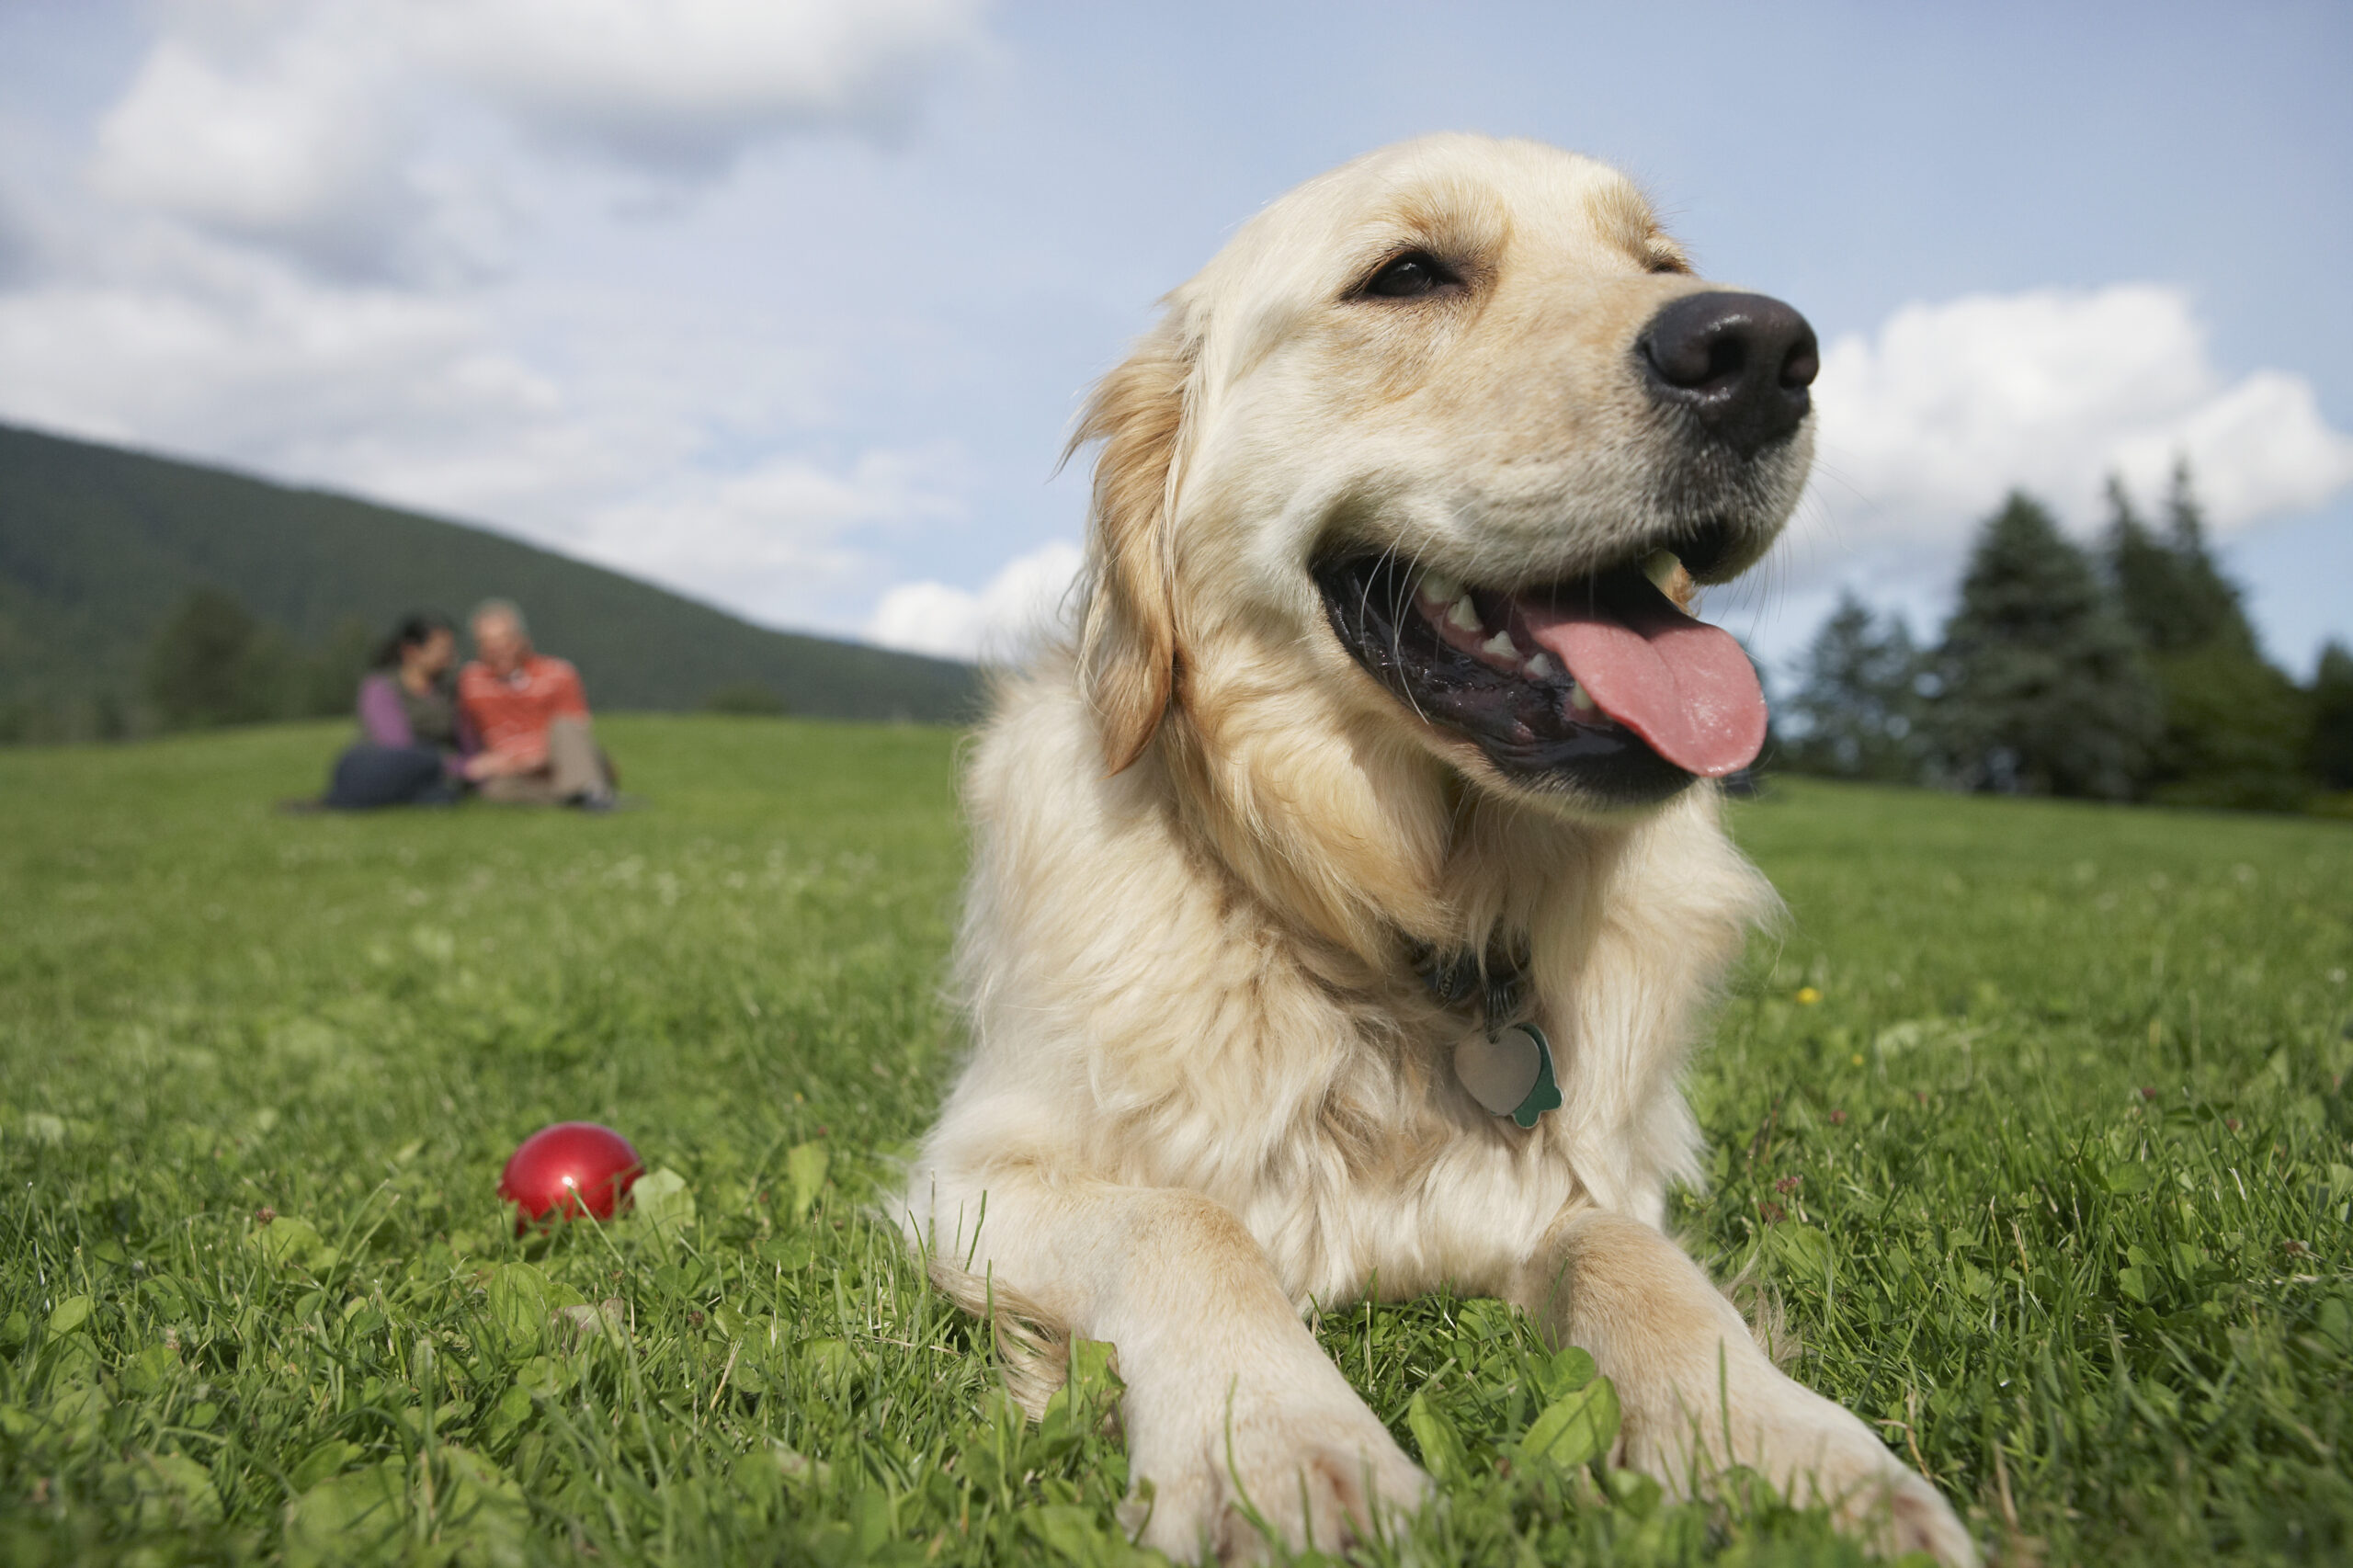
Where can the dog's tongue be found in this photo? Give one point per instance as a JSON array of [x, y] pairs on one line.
[[1684, 686]]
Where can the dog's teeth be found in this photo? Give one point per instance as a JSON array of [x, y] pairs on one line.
[[1439, 590], [1662, 568], [1464, 614], [1579, 700], [1541, 668], [1500, 646]]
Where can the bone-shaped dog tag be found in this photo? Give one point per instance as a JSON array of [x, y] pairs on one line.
[[1510, 1072]]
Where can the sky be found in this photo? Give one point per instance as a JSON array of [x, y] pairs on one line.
[[788, 305]]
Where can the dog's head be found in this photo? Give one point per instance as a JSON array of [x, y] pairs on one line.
[[1448, 434]]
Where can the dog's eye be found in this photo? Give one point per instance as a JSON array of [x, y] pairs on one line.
[[1409, 277]]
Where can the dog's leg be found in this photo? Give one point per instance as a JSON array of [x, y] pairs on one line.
[[1232, 1408], [1697, 1393]]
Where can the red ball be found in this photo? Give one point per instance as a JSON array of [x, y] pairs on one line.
[[567, 1170]]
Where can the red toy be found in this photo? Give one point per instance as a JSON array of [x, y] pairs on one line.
[[572, 1168]]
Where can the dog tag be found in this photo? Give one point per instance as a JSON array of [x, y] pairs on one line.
[[1510, 1072]]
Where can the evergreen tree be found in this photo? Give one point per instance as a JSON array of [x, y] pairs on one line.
[[1859, 706], [2236, 731], [2233, 725], [2043, 690], [2149, 590], [2167, 586], [214, 663], [2210, 601], [2330, 751]]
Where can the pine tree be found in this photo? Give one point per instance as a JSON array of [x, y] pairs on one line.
[[1859, 707], [2043, 690], [214, 663], [2330, 751], [2236, 731], [2210, 601], [2149, 590], [2233, 724], [2167, 586]]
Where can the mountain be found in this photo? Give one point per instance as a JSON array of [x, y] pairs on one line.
[[100, 546]]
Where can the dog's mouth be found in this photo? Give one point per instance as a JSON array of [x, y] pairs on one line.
[[1601, 683]]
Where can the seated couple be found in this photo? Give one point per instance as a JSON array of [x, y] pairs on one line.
[[513, 726]]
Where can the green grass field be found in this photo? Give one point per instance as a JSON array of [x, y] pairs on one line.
[[2033, 1119]]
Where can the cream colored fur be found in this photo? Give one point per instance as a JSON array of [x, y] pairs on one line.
[[1206, 1085]]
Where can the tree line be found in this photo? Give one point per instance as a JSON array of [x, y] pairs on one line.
[[212, 663], [2124, 671]]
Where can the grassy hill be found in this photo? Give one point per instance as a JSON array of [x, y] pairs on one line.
[[2035, 1118], [99, 546]]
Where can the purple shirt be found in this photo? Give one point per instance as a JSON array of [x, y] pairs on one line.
[[383, 721]]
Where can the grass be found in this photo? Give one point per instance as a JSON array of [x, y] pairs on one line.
[[2033, 1119]]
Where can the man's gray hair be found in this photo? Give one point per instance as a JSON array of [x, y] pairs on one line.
[[504, 610]]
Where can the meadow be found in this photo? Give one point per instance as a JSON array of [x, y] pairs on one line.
[[2032, 1118]]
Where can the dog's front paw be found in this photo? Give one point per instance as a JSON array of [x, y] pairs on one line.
[[1221, 1465], [1880, 1500], [1915, 1517], [1819, 1453]]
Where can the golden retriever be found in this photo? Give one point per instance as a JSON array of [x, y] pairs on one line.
[[1384, 748]]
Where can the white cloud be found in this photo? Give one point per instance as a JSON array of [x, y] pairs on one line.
[[239, 357], [350, 134], [690, 82], [291, 136], [2261, 448], [1022, 602], [776, 540], [1927, 424]]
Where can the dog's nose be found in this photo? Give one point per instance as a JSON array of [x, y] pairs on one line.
[[1740, 362]]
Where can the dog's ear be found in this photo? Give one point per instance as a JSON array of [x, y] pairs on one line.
[[1128, 655]]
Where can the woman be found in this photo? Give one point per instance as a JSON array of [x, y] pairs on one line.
[[415, 743]]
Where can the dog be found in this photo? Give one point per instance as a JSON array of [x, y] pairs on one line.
[[1349, 884]]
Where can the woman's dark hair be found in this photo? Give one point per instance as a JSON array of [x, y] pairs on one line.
[[414, 631]]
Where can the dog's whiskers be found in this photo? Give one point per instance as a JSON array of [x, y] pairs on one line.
[[1397, 619]]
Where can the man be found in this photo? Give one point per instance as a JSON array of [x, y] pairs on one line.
[[532, 719]]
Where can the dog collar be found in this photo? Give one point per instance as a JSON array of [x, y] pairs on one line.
[[1506, 1065]]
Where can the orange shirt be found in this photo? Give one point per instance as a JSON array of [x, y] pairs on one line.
[[511, 714]]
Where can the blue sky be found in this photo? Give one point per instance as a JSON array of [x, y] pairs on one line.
[[788, 305]]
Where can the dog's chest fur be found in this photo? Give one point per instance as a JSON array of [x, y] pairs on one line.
[[1148, 1012]]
